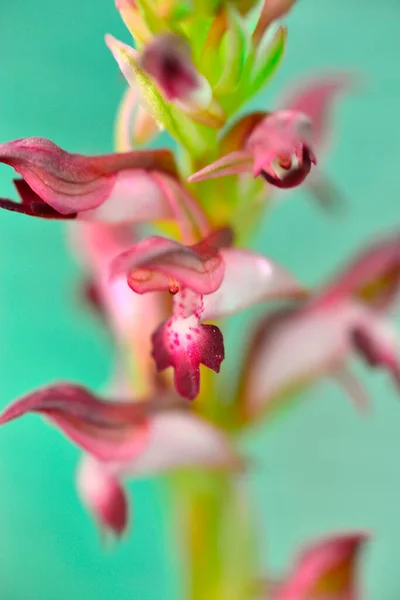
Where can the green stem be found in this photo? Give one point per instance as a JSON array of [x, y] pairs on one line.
[[212, 518]]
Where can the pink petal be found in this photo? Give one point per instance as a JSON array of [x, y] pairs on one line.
[[103, 495], [293, 347], [167, 59], [231, 164], [136, 197], [71, 183], [373, 277], [325, 571], [315, 98], [180, 439], [184, 344], [281, 147], [107, 430], [158, 263], [249, 279]]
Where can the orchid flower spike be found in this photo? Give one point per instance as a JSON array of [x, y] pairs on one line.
[[325, 570], [207, 280], [280, 146], [114, 188], [295, 345]]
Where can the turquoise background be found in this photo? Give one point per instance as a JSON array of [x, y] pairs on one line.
[[322, 467]]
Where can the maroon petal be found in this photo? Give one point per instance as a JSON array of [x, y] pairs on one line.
[[31, 204], [107, 430], [184, 344], [376, 343]]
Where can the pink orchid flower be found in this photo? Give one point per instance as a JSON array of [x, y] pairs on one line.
[[325, 570], [117, 188], [280, 146], [125, 439], [208, 280], [298, 343]]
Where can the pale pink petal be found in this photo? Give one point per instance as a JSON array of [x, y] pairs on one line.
[[136, 197], [231, 164], [315, 98], [325, 571], [107, 430], [179, 439], [158, 263], [249, 279], [292, 348], [103, 495], [373, 277]]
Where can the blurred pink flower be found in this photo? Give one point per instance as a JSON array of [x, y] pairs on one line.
[[280, 145], [125, 439], [296, 344], [325, 570]]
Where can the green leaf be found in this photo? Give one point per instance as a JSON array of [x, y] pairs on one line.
[[154, 22], [266, 65], [236, 43]]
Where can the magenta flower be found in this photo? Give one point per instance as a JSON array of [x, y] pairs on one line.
[[326, 570], [207, 280], [122, 187], [125, 439], [280, 146], [296, 344]]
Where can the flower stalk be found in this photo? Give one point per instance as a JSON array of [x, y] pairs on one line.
[[165, 295]]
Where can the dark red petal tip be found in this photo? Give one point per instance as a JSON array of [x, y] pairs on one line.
[[184, 348]]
